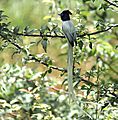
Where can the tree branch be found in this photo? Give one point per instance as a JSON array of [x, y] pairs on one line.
[[102, 31], [55, 67], [52, 67], [111, 3], [32, 56], [59, 36], [82, 35]]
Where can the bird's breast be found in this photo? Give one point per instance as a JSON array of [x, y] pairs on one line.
[[66, 25]]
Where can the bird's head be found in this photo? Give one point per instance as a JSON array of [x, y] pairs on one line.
[[65, 15]]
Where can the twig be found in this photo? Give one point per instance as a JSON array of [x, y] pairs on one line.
[[105, 30], [53, 67], [111, 3], [88, 82]]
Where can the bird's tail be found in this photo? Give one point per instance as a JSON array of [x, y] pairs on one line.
[[70, 72]]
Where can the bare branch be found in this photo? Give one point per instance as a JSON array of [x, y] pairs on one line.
[[111, 3]]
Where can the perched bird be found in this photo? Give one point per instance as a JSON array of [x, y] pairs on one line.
[[70, 33], [68, 27]]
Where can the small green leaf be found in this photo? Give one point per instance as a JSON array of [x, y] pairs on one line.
[[93, 0], [85, 1], [50, 70], [92, 52], [1, 11], [81, 44], [16, 29], [116, 47], [44, 28], [50, 62], [44, 74], [90, 45], [26, 29], [44, 44]]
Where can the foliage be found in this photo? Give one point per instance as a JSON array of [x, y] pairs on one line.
[[27, 93]]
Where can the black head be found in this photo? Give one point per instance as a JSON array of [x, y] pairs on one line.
[[65, 15]]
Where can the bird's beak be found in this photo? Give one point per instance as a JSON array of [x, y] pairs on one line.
[[59, 14]]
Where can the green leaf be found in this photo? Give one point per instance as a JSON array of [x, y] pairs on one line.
[[85, 1], [1, 11], [80, 44], [50, 70], [93, 0], [44, 44], [116, 47], [26, 29], [90, 45], [16, 29], [92, 52]]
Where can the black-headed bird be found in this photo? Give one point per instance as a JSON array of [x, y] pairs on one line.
[[70, 33]]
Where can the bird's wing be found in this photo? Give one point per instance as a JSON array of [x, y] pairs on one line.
[[69, 36], [69, 31]]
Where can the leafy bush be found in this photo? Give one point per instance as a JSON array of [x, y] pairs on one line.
[[28, 93]]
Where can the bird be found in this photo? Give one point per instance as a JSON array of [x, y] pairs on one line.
[[68, 27], [70, 33]]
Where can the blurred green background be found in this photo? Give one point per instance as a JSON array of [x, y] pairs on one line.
[[25, 12]]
